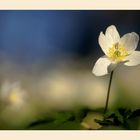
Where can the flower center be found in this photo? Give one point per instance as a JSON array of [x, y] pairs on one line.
[[117, 52], [14, 97]]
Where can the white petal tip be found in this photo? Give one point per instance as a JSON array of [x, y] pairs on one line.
[[133, 59], [112, 26]]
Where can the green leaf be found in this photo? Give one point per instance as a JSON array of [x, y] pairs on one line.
[[133, 123], [119, 117], [112, 127], [69, 125], [63, 117], [109, 114], [58, 120], [80, 115], [135, 114], [104, 122]]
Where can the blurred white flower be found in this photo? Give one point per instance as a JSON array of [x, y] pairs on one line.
[[13, 94], [118, 50]]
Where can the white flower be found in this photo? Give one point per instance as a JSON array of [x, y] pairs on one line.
[[13, 94], [117, 50]]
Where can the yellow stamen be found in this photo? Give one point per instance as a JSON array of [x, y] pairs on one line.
[[117, 52]]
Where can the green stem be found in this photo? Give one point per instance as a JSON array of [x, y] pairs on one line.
[[108, 92]]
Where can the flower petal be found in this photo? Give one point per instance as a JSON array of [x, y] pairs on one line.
[[112, 34], [104, 42], [133, 59], [103, 66], [130, 41]]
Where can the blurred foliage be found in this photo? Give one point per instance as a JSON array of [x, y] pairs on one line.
[[120, 119], [123, 119], [69, 120]]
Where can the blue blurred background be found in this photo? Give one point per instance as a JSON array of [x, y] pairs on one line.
[[49, 36]]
